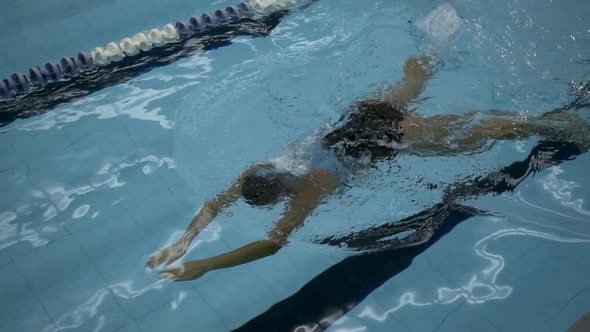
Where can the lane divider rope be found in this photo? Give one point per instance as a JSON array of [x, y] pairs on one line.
[[68, 67]]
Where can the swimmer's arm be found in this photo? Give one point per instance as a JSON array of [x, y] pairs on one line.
[[210, 210], [196, 269], [416, 74], [205, 216], [213, 207], [311, 190]]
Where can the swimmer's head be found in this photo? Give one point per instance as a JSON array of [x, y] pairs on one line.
[[263, 189]]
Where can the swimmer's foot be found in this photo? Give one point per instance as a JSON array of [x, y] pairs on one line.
[[188, 271], [167, 255], [561, 115]]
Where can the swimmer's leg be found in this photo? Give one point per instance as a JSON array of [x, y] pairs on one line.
[[555, 125], [417, 71], [438, 134], [453, 134]]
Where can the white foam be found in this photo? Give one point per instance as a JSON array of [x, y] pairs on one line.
[[297, 158], [439, 27], [264, 6]]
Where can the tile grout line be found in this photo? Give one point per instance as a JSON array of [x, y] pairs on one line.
[[34, 293], [103, 279], [195, 289]]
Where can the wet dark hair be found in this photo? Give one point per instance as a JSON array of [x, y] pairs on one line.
[[369, 130], [264, 189]]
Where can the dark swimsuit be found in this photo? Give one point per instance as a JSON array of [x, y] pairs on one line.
[[371, 131]]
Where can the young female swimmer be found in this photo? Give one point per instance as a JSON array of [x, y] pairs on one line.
[[372, 130]]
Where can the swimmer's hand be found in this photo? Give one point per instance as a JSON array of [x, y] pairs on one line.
[[185, 272], [167, 255]]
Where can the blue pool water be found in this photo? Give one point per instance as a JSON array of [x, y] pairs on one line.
[[93, 188]]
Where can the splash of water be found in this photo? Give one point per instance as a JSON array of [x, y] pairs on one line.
[[439, 28]]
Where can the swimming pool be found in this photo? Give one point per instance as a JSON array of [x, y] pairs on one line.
[[94, 187]]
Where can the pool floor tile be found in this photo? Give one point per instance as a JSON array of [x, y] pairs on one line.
[[16, 186], [179, 189], [130, 327], [411, 295], [455, 263], [289, 269], [370, 315], [577, 306], [121, 236], [38, 144], [57, 265], [7, 135], [97, 203], [533, 282], [4, 258], [236, 295], [138, 291], [15, 288], [351, 323], [34, 319], [189, 313], [158, 213], [33, 237], [143, 180], [467, 317], [107, 138], [87, 311], [151, 138], [111, 241]]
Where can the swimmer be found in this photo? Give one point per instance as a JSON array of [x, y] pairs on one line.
[[373, 130]]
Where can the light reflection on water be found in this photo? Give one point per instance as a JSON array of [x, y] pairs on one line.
[[562, 190], [55, 200]]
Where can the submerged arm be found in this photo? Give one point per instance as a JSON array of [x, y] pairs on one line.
[[205, 216], [310, 191]]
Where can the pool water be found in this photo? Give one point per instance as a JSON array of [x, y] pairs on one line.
[[93, 188]]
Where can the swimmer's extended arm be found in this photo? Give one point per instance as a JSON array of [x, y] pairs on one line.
[[209, 211], [311, 189], [310, 192], [416, 74]]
